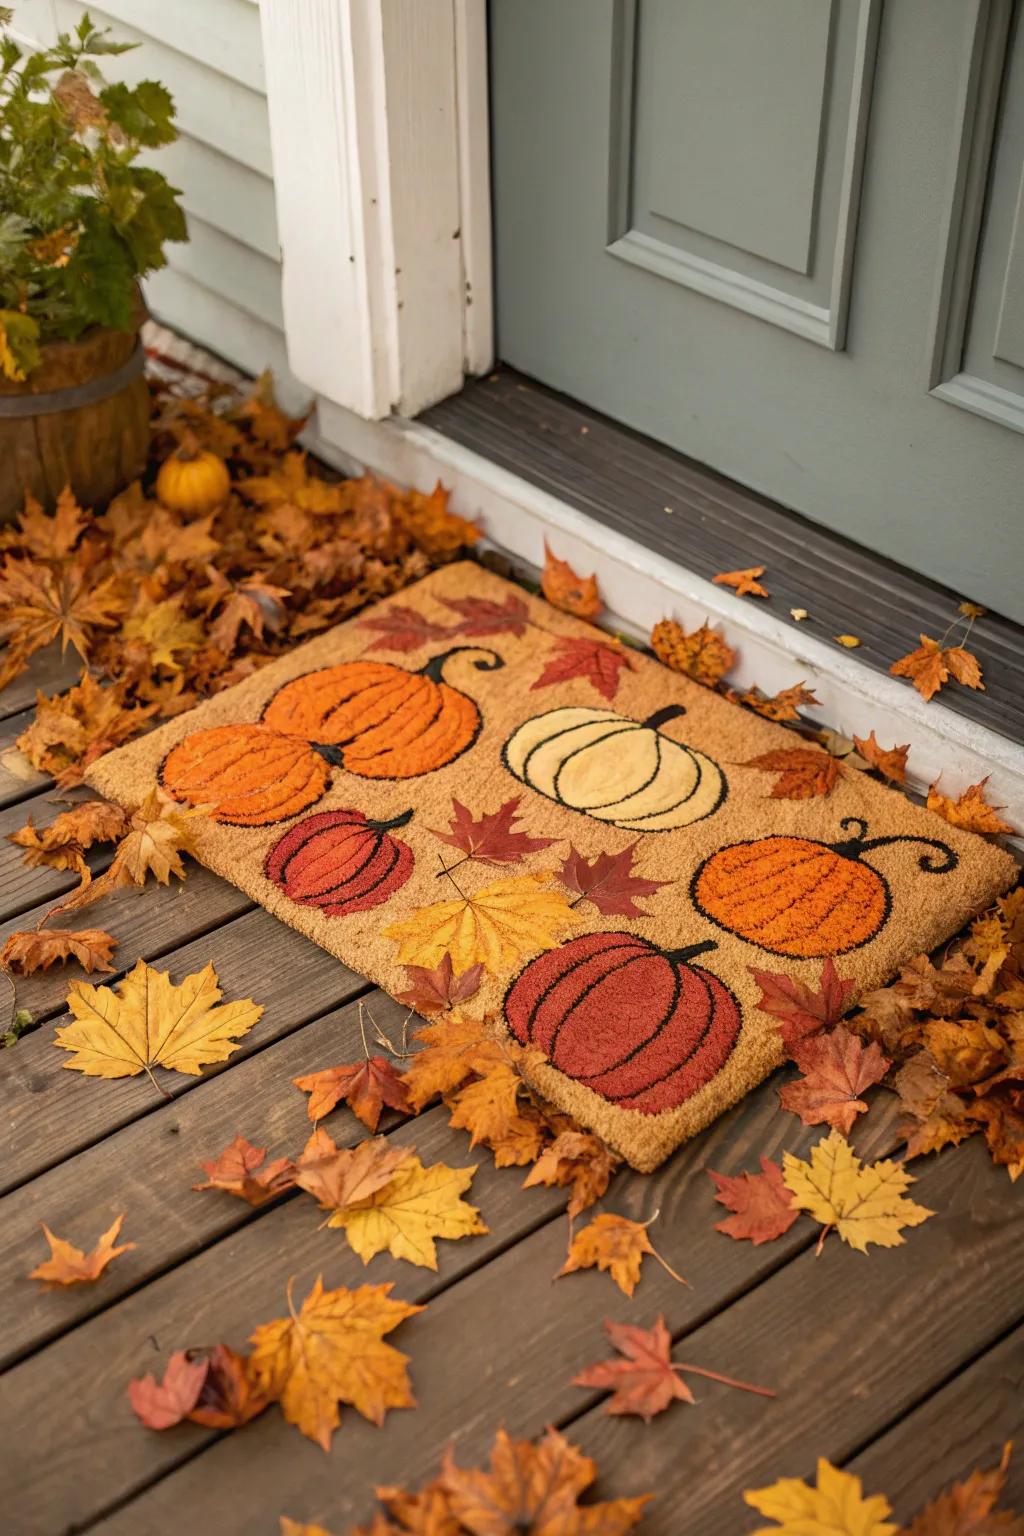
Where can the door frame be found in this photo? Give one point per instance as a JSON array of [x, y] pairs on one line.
[[380, 142]]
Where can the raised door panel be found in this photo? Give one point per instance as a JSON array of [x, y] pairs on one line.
[[738, 135]]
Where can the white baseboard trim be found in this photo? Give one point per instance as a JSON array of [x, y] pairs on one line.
[[640, 587]]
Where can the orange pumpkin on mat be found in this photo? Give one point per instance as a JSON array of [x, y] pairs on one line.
[[248, 775], [800, 897], [391, 723]]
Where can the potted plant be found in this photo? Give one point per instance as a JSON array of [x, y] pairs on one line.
[[81, 220]]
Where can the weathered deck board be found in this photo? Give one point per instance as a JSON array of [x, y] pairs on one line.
[[49, 672], [13, 788]]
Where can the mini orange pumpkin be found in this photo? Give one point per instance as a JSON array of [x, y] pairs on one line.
[[800, 897], [192, 480], [250, 775], [388, 723]]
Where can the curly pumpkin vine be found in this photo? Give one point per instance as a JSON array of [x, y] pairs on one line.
[[618, 770], [373, 718], [642, 1026], [340, 862], [807, 899]]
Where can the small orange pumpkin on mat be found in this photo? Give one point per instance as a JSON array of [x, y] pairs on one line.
[[801, 897], [249, 776]]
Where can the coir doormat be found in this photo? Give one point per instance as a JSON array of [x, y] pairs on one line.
[[339, 771]]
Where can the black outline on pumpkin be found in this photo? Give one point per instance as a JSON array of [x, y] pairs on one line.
[[685, 954], [852, 848], [382, 828], [652, 722]]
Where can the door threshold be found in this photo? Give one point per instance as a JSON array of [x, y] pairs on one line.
[[640, 585]]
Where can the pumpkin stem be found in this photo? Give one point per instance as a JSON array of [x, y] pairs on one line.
[[330, 753], [691, 951], [489, 661], [396, 821], [854, 847], [663, 716]]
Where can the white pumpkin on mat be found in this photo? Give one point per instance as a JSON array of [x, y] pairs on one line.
[[627, 772]]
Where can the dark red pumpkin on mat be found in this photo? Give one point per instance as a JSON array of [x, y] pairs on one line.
[[639, 1025], [800, 897], [339, 862]]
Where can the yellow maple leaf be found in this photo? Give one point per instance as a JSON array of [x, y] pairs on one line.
[[497, 926], [488, 1107], [835, 1507], [418, 1205], [865, 1203], [332, 1350], [164, 631], [146, 1021], [616, 1244]]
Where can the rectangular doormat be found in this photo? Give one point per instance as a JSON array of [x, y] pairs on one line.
[[347, 775]]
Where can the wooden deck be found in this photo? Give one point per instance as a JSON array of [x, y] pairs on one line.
[[906, 1366]]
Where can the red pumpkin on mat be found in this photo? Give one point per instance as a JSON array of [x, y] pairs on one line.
[[248, 775], [339, 862], [800, 897], [388, 722], [641, 1026]]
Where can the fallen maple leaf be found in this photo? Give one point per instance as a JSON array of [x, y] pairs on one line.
[[497, 926], [337, 1176], [332, 1350], [146, 1021], [647, 1380], [40, 604], [439, 989], [158, 834], [615, 1244], [534, 1489], [162, 1404], [784, 705], [563, 589], [864, 1202], [933, 664], [762, 1205], [579, 1160], [452, 1050], [36, 949], [401, 628], [46, 536], [891, 762], [702, 655], [971, 810], [804, 773], [162, 632], [968, 1508], [838, 1068], [836, 1506], [483, 617], [490, 839], [743, 582], [68, 1265], [406, 1214], [62, 844], [799, 1010], [607, 881], [227, 1398], [598, 662], [241, 1170], [366, 1086], [488, 1107], [70, 730]]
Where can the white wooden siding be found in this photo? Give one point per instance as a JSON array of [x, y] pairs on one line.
[[223, 289]]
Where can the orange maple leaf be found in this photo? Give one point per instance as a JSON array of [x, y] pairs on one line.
[[240, 1169], [702, 655], [971, 810], [366, 1086], [805, 773], [563, 589], [933, 664], [891, 762], [784, 705], [615, 1244], [838, 1068], [68, 1265], [743, 583], [36, 949]]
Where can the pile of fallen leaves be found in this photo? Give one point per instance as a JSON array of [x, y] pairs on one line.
[[167, 607]]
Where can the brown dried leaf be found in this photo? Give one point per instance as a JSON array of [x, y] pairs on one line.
[[743, 583]]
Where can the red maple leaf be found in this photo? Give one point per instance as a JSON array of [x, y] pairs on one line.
[[438, 990], [491, 838], [798, 1009], [607, 881], [241, 1170], [401, 628], [762, 1204], [483, 616], [162, 1404], [647, 1380], [837, 1068], [599, 663], [365, 1085]]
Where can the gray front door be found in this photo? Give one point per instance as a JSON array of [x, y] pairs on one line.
[[786, 237]]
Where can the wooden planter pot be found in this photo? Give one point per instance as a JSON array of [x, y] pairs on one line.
[[80, 419]]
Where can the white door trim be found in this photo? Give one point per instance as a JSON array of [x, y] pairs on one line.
[[640, 586], [379, 134]]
